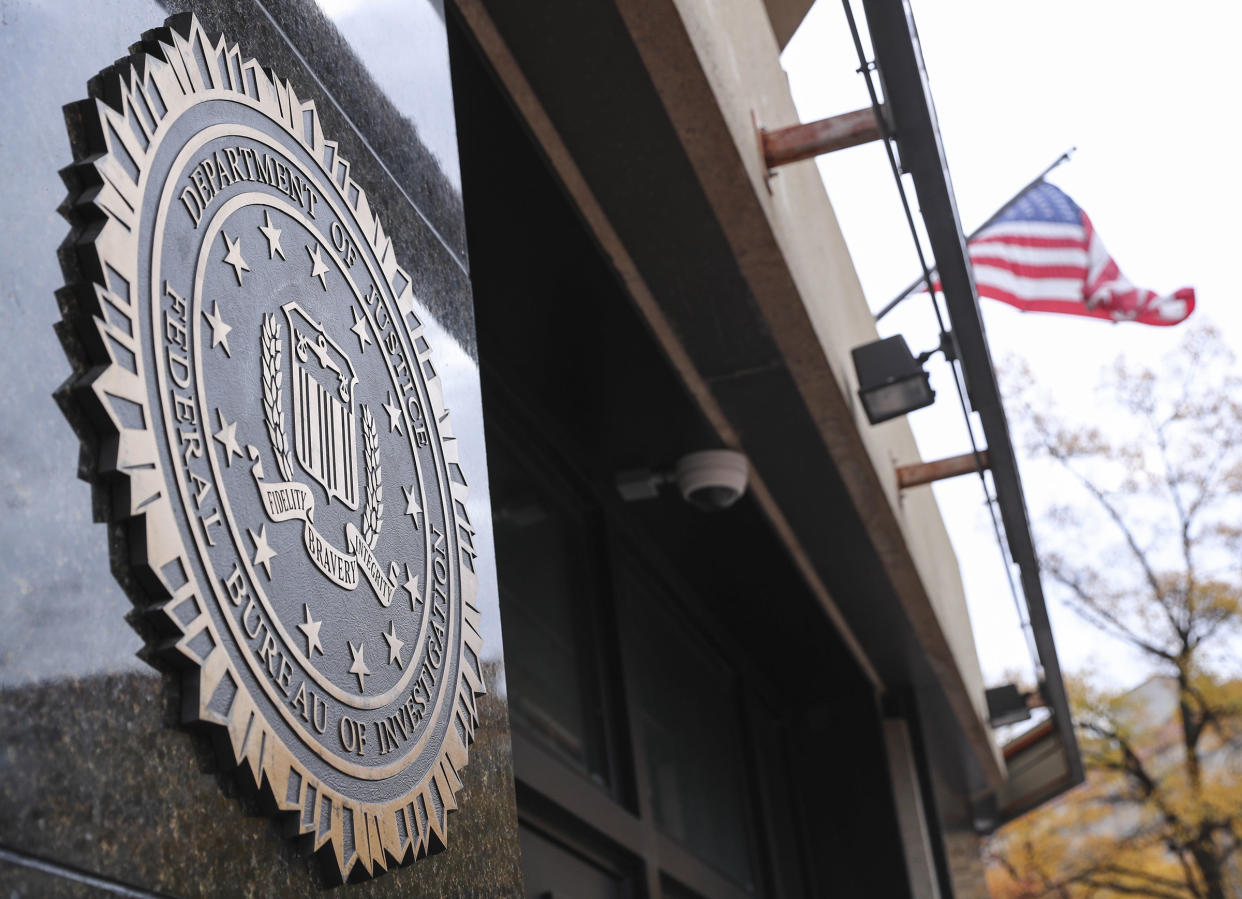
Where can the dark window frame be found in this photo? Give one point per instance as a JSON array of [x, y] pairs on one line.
[[555, 482], [620, 820]]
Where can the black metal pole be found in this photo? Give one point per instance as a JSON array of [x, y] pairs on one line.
[[920, 281]]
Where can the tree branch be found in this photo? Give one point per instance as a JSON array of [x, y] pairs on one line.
[[1183, 520], [1102, 498], [1120, 627]]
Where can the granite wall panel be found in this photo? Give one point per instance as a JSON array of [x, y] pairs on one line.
[[100, 789]]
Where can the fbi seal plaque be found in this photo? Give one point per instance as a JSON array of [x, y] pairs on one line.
[[265, 425]]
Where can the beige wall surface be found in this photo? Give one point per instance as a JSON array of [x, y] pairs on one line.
[[738, 52]]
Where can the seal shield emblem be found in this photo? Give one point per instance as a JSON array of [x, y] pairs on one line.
[[264, 417], [324, 420]]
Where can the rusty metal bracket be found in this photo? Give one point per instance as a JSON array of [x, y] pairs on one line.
[[782, 146], [952, 467]]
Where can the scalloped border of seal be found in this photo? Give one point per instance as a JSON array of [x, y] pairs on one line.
[[114, 133]]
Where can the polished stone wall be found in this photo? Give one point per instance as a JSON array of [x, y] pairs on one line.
[[100, 790]]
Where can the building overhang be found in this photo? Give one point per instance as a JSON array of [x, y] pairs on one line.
[[786, 16], [907, 93], [618, 99]]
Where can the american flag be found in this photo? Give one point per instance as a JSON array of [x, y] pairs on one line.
[[1043, 255]]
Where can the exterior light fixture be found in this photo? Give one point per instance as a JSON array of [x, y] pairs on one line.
[[891, 379], [709, 479], [1007, 705]]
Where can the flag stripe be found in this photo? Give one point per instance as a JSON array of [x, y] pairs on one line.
[[1033, 255], [1064, 307], [1017, 240], [1034, 288], [1026, 270]]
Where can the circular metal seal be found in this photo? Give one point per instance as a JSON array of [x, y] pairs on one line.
[[266, 420]]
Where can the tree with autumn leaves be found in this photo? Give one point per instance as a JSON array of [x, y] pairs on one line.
[[1145, 544]]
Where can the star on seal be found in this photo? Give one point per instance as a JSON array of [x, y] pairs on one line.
[[263, 553], [318, 269], [227, 435], [219, 330], [394, 414], [310, 627], [360, 329], [359, 667], [234, 257], [273, 236], [394, 645]]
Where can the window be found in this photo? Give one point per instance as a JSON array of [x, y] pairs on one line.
[[609, 685], [689, 708], [548, 605]]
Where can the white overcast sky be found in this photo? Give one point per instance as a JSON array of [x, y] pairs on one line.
[[1148, 93]]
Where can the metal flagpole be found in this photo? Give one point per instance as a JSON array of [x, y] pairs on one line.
[[919, 281]]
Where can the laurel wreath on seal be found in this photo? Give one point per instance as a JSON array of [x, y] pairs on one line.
[[373, 512], [274, 419], [273, 407]]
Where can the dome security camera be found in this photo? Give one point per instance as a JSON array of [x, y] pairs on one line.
[[711, 479]]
